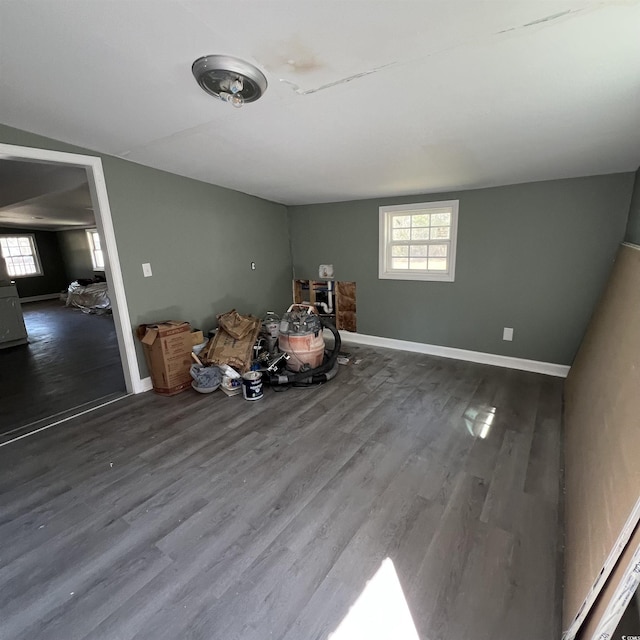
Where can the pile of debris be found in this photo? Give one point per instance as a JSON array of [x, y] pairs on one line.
[[241, 354], [233, 342]]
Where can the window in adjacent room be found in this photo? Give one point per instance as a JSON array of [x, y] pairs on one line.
[[97, 256], [418, 241], [21, 255]]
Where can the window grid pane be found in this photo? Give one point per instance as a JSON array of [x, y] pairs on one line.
[[419, 241], [437, 250], [437, 264], [95, 246], [20, 255], [440, 233], [420, 220], [400, 250], [400, 263], [420, 233], [424, 234], [418, 250], [419, 256], [418, 264], [401, 222], [401, 234]]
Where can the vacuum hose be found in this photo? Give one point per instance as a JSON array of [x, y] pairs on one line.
[[325, 372]]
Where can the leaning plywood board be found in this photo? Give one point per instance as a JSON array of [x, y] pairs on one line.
[[346, 306], [602, 441], [614, 598]]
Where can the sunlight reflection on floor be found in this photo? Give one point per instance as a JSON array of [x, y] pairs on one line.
[[479, 420], [381, 611]]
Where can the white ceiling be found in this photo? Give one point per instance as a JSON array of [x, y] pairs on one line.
[[44, 196], [456, 94]]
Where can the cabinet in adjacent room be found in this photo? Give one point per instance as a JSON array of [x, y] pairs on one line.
[[12, 329]]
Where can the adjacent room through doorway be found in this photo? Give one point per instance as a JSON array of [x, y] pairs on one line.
[[70, 363], [54, 266]]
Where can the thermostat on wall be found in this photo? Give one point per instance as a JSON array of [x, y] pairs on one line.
[[326, 271]]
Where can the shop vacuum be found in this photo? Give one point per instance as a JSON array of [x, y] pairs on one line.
[[300, 358]]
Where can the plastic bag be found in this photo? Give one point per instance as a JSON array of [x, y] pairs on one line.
[[206, 377]]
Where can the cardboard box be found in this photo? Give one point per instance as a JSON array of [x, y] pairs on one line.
[[167, 349], [197, 337]]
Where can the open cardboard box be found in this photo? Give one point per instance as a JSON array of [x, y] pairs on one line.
[[167, 349]]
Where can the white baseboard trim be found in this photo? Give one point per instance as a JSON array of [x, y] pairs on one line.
[[46, 296], [144, 384], [548, 368]]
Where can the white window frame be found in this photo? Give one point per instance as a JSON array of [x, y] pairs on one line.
[[34, 253], [93, 249], [385, 272]]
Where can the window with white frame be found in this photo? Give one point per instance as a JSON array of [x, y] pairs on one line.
[[418, 241], [20, 255], [97, 256]]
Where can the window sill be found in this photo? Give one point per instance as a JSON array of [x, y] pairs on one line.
[[423, 277]]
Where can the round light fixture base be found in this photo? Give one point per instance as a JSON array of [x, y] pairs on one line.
[[226, 75]]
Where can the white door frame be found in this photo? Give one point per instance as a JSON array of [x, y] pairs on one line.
[[104, 224]]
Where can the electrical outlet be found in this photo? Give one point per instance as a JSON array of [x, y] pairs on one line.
[[146, 270], [507, 334], [325, 271]]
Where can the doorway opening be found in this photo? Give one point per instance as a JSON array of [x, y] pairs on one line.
[[71, 335]]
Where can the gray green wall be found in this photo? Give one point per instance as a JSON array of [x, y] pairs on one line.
[[533, 256], [54, 276], [76, 252], [200, 240], [633, 226]]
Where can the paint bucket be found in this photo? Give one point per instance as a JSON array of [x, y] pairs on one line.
[[252, 385]]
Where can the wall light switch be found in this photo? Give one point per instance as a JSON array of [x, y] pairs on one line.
[[507, 333], [253, 266], [146, 269]]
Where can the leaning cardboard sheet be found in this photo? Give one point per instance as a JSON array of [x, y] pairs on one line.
[[233, 342]]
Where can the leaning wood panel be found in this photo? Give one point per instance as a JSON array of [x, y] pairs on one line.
[[602, 430], [614, 598], [346, 306]]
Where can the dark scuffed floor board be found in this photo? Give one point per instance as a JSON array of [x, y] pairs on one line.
[[207, 517], [71, 362]]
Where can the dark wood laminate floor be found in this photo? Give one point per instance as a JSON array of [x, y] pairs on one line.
[[72, 360], [407, 484]]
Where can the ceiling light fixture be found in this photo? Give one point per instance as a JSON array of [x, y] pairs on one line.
[[229, 79]]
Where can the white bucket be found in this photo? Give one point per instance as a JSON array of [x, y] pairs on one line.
[[252, 385]]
